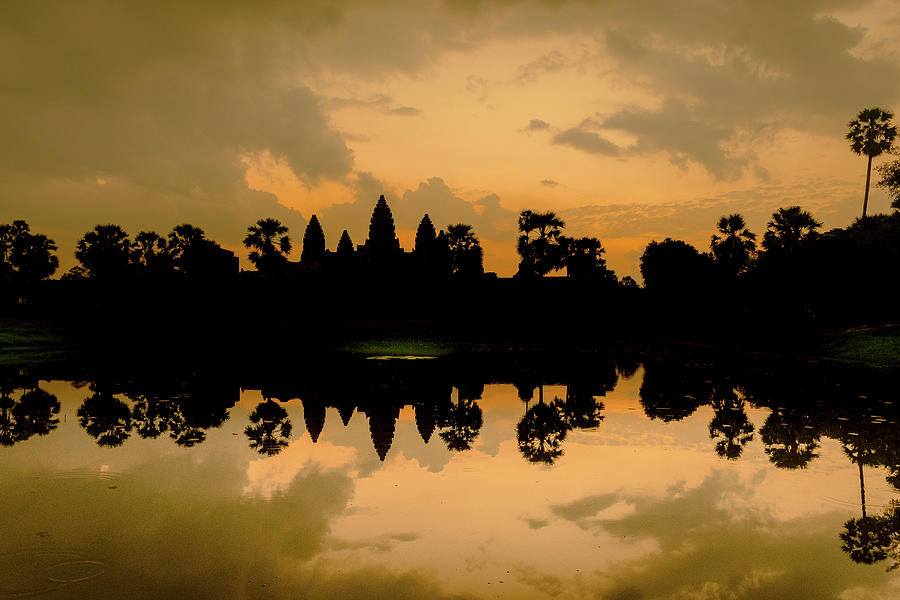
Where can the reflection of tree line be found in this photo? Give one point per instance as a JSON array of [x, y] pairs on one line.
[[801, 416], [803, 413]]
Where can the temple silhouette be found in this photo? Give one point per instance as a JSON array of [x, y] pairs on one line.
[[381, 254]]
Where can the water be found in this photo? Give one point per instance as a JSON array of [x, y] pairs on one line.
[[739, 486]]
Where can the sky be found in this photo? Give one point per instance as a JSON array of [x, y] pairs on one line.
[[632, 121]]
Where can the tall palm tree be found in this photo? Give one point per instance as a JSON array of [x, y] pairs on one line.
[[872, 134], [269, 243]]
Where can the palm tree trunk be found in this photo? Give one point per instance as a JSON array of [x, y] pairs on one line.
[[862, 491], [868, 177]]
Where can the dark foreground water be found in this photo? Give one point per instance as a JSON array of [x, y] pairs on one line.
[[619, 479]]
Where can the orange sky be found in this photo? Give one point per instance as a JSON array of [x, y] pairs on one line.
[[633, 121]]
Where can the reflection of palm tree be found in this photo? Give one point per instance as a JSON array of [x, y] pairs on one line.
[[729, 423], [581, 410], [866, 540], [461, 425], [105, 418], [541, 432], [790, 438], [35, 413], [270, 429]]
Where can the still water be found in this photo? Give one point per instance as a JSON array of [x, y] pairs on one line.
[[650, 479]]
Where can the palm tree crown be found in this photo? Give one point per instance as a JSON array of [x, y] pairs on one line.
[[268, 239]]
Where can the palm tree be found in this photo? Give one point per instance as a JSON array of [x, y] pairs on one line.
[[270, 244], [104, 252], [872, 134], [541, 253], [789, 228], [733, 247], [465, 251]]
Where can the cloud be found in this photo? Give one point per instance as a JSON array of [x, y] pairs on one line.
[[582, 139], [488, 218], [537, 125], [709, 548], [380, 102], [549, 182], [161, 108]]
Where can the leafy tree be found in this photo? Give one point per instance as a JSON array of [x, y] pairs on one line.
[[729, 425], [890, 180], [789, 228], [270, 244], [541, 432], [866, 540], [791, 438], [270, 428], [673, 266], [465, 251], [872, 134], [35, 413], [539, 244], [150, 254], [106, 419], [104, 252], [733, 248], [194, 255], [461, 425], [24, 256], [584, 259]]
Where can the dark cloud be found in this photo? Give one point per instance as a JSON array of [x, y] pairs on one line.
[[549, 182], [585, 140], [537, 125]]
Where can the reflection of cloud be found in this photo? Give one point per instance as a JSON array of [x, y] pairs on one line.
[[274, 474], [707, 549]]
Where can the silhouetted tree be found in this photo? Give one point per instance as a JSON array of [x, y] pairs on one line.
[[105, 252], [150, 254], [461, 424], [674, 267], [35, 413], [270, 428], [541, 432], [465, 252], [580, 410], [733, 248], [196, 256], [729, 425], [538, 244], [866, 540], [105, 418], [24, 256], [270, 245], [791, 438], [890, 181], [872, 134], [583, 259], [789, 228]]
